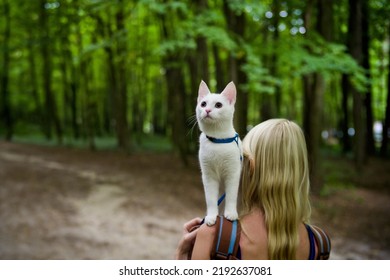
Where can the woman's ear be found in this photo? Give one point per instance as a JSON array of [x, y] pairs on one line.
[[251, 165]]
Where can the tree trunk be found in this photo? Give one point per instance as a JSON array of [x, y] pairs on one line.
[[117, 77], [51, 113], [270, 103], [176, 107], [33, 79], [219, 69], [370, 145], [89, 108], [236, 24], [66, 58], [121, 94], [108, 107], [314, 89], [111, 87], [68, 70], [89, 105], [386, 123], [159, 118], [176, 89], [198, 63], [5, 108], [202, 50], [274, 58], [355, 48], [344, 123]]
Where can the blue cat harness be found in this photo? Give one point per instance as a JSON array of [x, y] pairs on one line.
[[225, 140]]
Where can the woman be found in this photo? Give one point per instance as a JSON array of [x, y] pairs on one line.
[[275, 207]]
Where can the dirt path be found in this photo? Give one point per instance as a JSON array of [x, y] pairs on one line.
[[62, 203]]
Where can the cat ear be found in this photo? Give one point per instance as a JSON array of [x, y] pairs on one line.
[[230, 93], [203, 91]]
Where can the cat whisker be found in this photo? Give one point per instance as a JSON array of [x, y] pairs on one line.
[[192, 121]]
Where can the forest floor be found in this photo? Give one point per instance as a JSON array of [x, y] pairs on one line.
[[67, 203]]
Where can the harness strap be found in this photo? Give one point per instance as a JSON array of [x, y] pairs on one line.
[[227, 239], [233, 237], [323, 243], [221, 198], [312, 254], [225, 140]]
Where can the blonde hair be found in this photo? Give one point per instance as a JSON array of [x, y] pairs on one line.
[[275, 178]]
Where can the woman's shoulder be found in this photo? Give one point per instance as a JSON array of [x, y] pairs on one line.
[[207, 230], [204, 242], [253, 221], [253, 241], [207, 234]]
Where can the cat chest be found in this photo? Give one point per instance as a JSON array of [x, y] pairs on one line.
[[219, 154]]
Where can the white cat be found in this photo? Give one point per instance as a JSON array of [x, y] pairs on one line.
[[220, 150]]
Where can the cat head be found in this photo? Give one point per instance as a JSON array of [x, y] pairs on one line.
[[215, 109]]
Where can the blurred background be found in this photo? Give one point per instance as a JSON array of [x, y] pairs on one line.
[[98, 138]]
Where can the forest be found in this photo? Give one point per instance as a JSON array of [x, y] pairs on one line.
[[126, 73]]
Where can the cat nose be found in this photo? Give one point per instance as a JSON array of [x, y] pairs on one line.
[[208, 111]]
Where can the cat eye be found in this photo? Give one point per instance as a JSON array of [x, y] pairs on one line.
[[203, 104], [218, 105]]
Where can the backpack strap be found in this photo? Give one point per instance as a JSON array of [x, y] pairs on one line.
[[323, 243], [226, 242]]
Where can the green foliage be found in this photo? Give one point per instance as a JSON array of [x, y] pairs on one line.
[[86, 45], [259, 79], [210, 25], [314, 55]]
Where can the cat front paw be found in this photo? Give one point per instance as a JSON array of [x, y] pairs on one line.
[[210, 220], [231, 215]]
